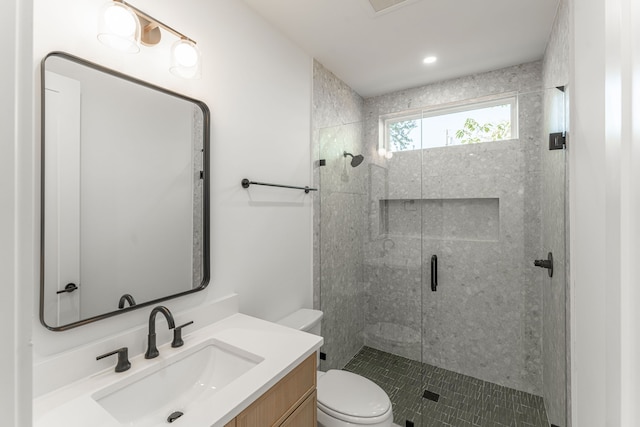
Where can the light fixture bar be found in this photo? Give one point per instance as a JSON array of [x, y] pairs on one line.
[[153, 20]]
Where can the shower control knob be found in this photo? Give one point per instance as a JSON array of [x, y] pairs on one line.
[[542, 263], [545, 263]]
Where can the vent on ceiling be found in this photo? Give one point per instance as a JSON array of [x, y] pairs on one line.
[[380, 5]]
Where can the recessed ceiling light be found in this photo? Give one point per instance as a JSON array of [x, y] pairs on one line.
[[430, 59]]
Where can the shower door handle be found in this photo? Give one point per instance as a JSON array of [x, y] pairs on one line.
[[434, 273]]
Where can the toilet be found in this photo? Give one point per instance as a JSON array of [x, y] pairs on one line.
[[344, 398]]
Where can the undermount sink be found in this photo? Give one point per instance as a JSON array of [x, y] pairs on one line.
[[150, 397]]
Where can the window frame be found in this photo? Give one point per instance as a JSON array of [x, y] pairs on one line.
[[510, 98]]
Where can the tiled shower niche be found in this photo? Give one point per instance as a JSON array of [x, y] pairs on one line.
[[472, 219]]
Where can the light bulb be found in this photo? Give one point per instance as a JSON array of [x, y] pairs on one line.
[[389, 154], [185, 59], [119, 28], [186, 55], [120, 21]]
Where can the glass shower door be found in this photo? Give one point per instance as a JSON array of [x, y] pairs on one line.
[[394, 272], [342, 230], [483, 326], [473, 253]]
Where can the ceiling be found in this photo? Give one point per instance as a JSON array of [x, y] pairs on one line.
[[381, 52]]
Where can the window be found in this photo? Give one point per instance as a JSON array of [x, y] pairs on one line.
[[494, 120]]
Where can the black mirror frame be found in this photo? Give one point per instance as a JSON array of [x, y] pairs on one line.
[[205, 189]]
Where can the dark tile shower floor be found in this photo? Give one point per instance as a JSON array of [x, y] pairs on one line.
[[463, 400]]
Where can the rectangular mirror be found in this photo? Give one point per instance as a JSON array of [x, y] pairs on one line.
[[124, 193]]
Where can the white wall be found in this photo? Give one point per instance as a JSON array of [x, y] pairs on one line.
[[257, 85], [605, 208], [16, 205]]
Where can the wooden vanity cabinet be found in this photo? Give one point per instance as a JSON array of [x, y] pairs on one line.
[[305, 414], [289, 403]]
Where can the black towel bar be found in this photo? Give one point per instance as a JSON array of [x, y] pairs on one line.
[[246, 183]]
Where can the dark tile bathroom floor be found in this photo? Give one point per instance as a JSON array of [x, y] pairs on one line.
[[463, 400]]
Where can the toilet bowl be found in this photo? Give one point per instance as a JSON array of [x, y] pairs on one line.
[[347, 399], [344, 399]]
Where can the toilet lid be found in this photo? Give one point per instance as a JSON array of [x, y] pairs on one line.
[[346, 393]]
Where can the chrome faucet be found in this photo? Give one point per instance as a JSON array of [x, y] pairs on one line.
[[152, 350]]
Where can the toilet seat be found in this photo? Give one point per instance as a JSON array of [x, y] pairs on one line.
[[352, 398]]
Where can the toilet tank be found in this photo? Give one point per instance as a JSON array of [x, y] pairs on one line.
[[305, 319]]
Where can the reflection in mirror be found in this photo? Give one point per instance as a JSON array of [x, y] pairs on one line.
[[124, 193]]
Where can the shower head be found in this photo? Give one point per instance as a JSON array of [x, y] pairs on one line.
[[355, 160]]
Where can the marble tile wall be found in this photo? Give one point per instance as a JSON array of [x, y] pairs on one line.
[[554, 226], [485, 318], [339, 219]]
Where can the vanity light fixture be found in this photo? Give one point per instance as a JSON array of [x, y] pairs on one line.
[[124, 27]]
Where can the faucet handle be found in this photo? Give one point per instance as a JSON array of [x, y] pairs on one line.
[[123, 358], [177, 335]]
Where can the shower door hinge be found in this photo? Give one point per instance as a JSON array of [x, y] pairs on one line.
[[557, 141], [201, 174]]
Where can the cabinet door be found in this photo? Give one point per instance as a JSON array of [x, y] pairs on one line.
[[305, 416], [273, 407]]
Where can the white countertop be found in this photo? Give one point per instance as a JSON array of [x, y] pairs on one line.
[[280, 348]]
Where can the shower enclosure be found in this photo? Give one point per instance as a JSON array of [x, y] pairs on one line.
[[425, 255]]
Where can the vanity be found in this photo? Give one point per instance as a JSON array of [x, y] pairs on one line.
[[240, 371], [291, 402]]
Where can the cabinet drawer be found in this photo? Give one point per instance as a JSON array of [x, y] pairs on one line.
[[282, 399], [305, 415]]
